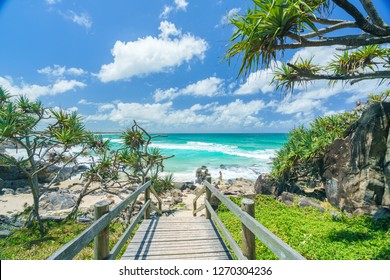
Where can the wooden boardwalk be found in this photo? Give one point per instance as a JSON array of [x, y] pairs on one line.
[[177, 237]]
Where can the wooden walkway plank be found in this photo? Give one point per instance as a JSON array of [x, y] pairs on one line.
[[177, 238]]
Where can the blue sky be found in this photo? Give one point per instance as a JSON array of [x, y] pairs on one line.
[[158, 62]]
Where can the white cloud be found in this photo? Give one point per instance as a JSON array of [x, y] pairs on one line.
[[106, 107], [179, 5], [257, 82], [225, 19], [81, 19], [321, 55], [166, 11], [208, 87], [68, 110], [237, 114], [60, 71], [169, 94], [33, 91], [152, 55], [298, 106], [52, 2], [168, 29]]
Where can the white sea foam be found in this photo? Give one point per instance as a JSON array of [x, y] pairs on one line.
[[228, 172], [213, 147]]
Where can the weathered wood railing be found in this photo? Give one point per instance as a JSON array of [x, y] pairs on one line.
[[99, 229], [250, 227]]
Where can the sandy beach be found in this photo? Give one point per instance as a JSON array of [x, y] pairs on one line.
[[15, 203]]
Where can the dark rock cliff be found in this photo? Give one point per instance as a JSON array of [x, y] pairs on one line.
[[357, 168]]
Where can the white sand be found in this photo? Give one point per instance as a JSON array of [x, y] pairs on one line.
[[16, 203]]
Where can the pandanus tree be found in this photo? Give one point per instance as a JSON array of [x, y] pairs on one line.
[[274, 26], [111, 169], [40, 146], [140, 159]]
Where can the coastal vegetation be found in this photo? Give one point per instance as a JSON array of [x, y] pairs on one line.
[[302, 157], [29, 244], [53, 139], [313, 234], [274, 26], [21, 124]]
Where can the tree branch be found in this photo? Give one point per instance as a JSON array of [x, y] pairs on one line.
[[337, 26], [373, 13], [306, 75], [361, 21], [352, 41], [326, 21]]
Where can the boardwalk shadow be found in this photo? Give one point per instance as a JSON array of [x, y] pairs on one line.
[[147, 240]]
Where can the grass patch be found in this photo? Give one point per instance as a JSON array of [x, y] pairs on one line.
[[315, 235], [27, 244]]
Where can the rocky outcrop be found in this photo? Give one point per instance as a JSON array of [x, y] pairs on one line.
[[265, 185], [357, 168], [12, 177], [54, 201]]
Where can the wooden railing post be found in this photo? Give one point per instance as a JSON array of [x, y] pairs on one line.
[[147, 197], [208, 198], [248, 238], [101, 241], [194, 206]]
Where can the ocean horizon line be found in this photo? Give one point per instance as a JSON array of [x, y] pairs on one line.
[[189, 133]]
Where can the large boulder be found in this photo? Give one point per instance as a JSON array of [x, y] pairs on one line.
[[357, 168], [265, 185], [54, 201]]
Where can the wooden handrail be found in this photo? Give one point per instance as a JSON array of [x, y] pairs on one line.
[[236, 249], [73, 247], [123, 239], [194, 207], [157, 197], [274, 243]]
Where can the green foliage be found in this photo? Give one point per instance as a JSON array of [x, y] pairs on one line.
[[263, 29], [360, 59], [303, 154], [273, 26], [141, 160], [162, 185], [286, 77], [21, 124], [315, 235], [28, 244]]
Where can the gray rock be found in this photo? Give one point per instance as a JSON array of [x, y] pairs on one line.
[[287, 197], [265, 185], [357, 170], [23, 190], [335, 214], [307, 202], [84, 220], [11, 173], [57, 201], [177, 200], [8, 191], [183, 187], [5, 233], [176, 193], [381, 214]]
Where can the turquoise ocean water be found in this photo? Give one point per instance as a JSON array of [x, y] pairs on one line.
[[236, 155]]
